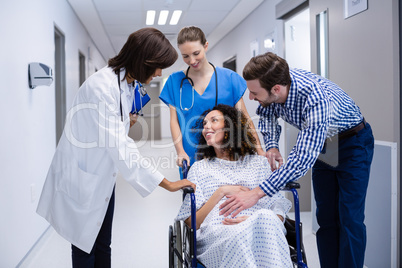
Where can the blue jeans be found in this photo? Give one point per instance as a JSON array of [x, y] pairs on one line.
[[100, 255], [340, 194]]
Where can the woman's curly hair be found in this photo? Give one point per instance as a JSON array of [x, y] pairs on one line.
[[238, 139]]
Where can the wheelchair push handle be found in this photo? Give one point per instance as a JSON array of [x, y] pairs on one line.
[[291, 185], [188, 190], [184, 169]]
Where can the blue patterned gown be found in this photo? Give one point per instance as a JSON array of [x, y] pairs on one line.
[[258, 241]]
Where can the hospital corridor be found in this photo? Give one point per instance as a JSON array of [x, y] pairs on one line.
[[76, 104]]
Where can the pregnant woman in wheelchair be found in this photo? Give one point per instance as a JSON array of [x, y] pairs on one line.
[[229, 164]]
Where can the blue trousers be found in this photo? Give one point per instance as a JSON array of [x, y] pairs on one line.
[[340, 194], [100, 255]]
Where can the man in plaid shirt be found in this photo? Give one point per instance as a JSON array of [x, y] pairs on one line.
[[334, 140]]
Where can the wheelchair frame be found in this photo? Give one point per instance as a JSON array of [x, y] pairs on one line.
[[183, 253]]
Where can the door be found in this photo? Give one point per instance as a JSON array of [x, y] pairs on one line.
[[60, 81], [298, 55]]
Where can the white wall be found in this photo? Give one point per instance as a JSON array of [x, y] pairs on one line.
[[27, 116]]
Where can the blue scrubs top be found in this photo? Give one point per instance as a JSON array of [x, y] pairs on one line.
[[231, 88]]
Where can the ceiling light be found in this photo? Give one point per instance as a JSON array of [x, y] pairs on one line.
[[150, 17], [163, 17], [175, 17]]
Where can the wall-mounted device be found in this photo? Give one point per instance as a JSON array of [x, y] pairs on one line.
[[39, 74]]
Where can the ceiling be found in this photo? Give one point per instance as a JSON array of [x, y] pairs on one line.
[[109, 22]]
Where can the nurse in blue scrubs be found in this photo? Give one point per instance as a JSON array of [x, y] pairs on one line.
[[201, 86]]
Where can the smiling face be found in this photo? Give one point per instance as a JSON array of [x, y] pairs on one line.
[[213, 131], [258, 93], [193, 53]]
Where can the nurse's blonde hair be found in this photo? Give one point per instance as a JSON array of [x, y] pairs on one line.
[[191, 34]]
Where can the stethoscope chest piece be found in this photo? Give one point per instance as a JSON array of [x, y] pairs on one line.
[[193, 89]]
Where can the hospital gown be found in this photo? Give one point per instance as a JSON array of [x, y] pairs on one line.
[[258, 241]]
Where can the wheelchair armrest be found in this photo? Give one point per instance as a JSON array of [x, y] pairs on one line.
[[188, 190], [291, 185]]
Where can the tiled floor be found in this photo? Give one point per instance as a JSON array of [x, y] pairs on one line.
[[140, 226]]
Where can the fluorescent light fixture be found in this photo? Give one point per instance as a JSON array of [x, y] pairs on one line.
[[175, 17], [163, 17], [150, 17]]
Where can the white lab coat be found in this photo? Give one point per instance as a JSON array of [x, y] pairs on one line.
[[93, 148]]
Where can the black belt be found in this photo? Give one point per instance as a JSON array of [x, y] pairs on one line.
[[352, 131]]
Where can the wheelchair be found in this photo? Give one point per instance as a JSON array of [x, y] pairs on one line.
[[183, 241]]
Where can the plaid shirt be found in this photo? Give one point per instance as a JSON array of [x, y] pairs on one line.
[[319, 109]]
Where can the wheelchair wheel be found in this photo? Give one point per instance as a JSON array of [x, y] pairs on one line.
[[171, 247], [177, 262], [186, 246], [290, 226]]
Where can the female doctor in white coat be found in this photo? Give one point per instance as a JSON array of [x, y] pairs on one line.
[[78, 195]]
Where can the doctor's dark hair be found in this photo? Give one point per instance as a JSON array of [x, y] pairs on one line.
[[269, 69], [144, 51], [238, 140], [191, 34]]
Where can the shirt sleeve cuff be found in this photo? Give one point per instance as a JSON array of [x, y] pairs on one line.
[[268, 188], [271, 144]]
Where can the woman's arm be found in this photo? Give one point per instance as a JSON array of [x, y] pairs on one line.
[[176, 185], [222, 191], [203, 212], [177, 137], [281, 205], [242, 107], [133, 119], [237, 220]]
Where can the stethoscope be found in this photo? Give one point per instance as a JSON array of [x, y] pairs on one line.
[[141, 90], [192, 87]]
